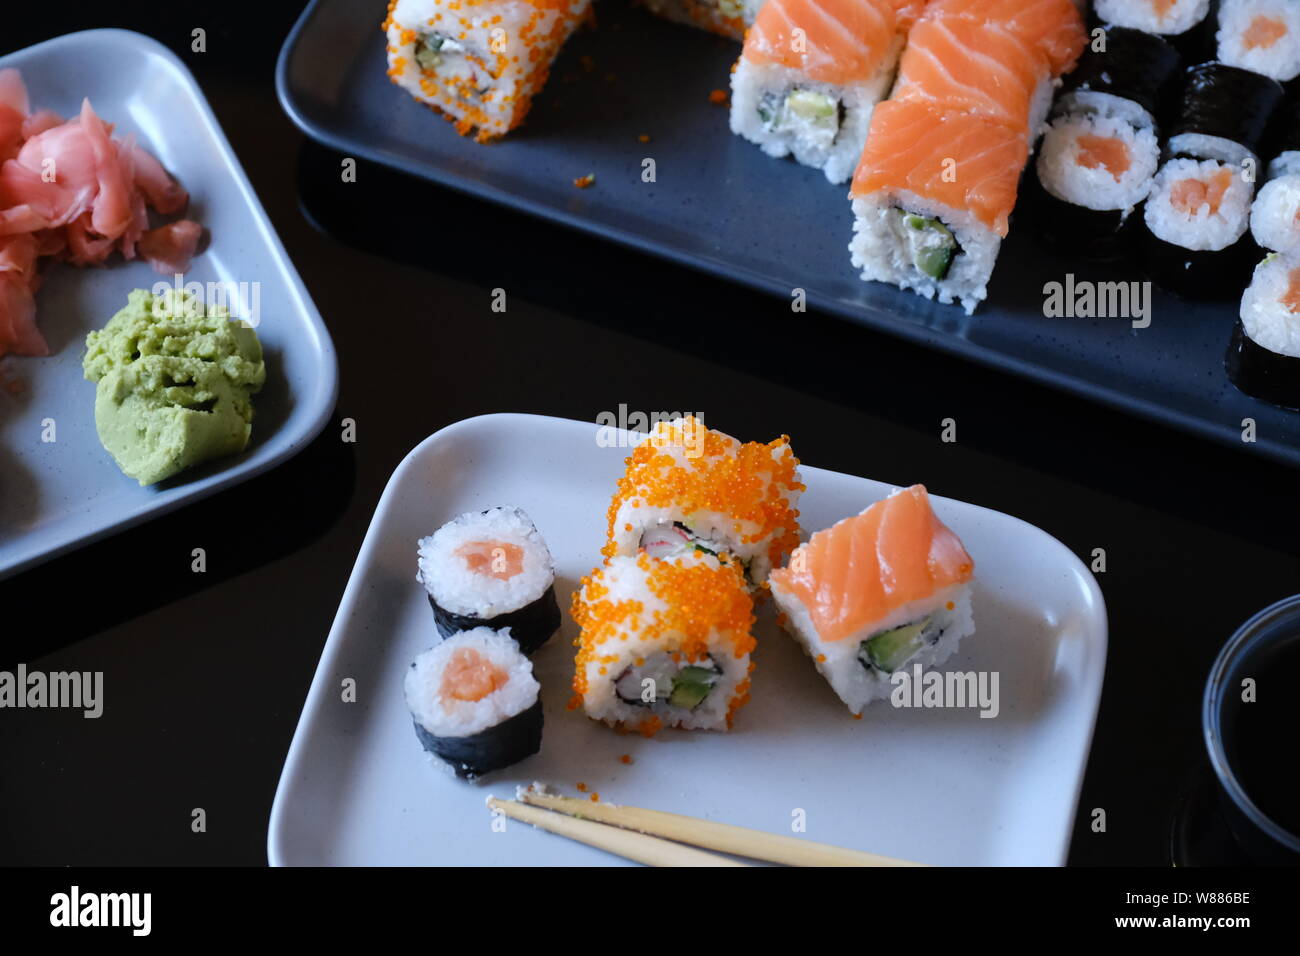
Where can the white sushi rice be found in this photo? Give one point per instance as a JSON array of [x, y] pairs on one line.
[[761, 113], [1063, 176], [448, 717], [448, 578], [1275, 214], [1281, 58], [1204, 146], [837, 661], [1264, 316], [1203, 230], [1285, 164], [627, 581], [1181, 16], [637, 520], [1104, 104], [880, 249]]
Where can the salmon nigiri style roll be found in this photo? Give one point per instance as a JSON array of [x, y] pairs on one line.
[[932, 198], [810, 75], [885, 589], [478, 62]]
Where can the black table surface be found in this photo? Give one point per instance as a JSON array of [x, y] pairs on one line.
[[205, 674]]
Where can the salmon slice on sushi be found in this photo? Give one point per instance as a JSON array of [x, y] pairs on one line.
[[1054, 27], [809, 76], [932, 199], [478, 62], [972, 66], [881, 591]]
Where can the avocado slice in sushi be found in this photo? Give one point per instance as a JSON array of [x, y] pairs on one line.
[[890, 650], [811, 105], [929, 244], [691, 686]]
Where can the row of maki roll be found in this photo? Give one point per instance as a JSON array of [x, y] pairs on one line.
[[1198, 210], [1101, 149], [490, 580]]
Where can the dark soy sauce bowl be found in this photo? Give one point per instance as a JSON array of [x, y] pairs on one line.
[[1252, 744]]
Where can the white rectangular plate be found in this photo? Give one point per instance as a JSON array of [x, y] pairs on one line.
[[941, 786], [57, 495]]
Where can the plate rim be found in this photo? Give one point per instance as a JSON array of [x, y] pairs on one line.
[[1099, 630], [319, 401]]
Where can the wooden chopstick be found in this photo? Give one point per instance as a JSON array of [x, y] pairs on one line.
[[645, 849], [723, 837]]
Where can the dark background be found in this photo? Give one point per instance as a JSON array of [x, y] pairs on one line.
[[205, 674]]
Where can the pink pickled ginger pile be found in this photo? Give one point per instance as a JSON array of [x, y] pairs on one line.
[[72, 193]]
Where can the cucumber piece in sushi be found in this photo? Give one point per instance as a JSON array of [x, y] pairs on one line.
[[878, 591], [492, 569], [475, 702], [1263, 358]]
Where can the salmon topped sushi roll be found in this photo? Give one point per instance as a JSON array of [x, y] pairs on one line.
[[932, 198], [1054, 27], [809, 76], [973, 66], [876, 593], [478, 62]]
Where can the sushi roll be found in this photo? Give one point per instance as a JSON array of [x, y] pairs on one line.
[[1198, 211], [478, 62], [1166, 17], [491, 569], [813, 99], [688, 488], [881, 591], [1260, 35], [1101, 149], [728, 18], [663, 643], [932, 199], [1223, 115], [475, 703], [1196, 217], [965, 65], [1275, 213], [1264, 356]]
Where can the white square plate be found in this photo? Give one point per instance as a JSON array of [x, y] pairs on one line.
[[57, 495], [941, 786]]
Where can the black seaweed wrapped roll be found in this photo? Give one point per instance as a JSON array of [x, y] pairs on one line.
[[1263, 357]]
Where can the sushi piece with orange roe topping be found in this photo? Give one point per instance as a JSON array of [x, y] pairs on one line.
[[475, 702], [663, 643], [688, 488], [478, 62]]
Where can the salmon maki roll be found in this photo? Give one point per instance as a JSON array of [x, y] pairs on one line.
[[976, 67], [1260, 35], [879, 592], [1264, 357], [663, 643], [691, 489], [728, 18], [475, 702], [1054, 27], [478, 62], [1170, 18], [932, 198], [809, 76]]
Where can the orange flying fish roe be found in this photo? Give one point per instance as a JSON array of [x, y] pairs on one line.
[[718, 97]]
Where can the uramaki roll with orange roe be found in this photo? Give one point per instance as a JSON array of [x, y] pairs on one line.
[[479, 62], [689, 488], [882, 591], [663, 643]]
